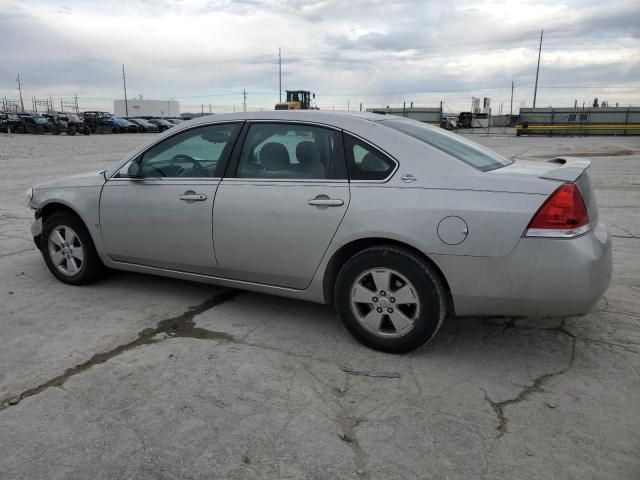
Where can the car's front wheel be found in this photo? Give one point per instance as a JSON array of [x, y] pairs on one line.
[[390, 299], [68, 250]]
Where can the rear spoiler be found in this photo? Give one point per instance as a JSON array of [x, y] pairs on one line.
[[569, 169]]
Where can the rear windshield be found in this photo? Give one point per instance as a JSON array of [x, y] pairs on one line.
[[455, 145]]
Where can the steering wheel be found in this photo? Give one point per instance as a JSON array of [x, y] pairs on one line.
[[197, 166]]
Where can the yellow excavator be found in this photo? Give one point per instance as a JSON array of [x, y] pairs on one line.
[[297, 100]]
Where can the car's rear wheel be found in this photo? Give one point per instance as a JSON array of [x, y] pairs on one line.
[[68, 250], [390, 299], [71, 130]]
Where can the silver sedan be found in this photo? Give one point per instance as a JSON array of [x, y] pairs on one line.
[[398, 224]]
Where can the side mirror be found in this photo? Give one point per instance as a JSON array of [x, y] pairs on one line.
[[134, 170]]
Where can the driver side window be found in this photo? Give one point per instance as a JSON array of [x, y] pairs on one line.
[[193, 153]]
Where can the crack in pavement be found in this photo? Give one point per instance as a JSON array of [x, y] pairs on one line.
[[16, 253], [535, 386], [628, 232], [182, 325], [628, 347], [348, 424], [363, 373]]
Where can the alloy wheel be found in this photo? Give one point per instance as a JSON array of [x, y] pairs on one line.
[[385, 302], [65, 250]]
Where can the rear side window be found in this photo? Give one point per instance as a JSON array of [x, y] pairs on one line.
[[366, 162], [291, 151], [455, 145]]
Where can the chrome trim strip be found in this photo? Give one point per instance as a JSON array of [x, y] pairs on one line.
[[557, 233], [296, 122], [167, 179], [284, 180]]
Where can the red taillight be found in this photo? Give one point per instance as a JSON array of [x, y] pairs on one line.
[[562, 215]]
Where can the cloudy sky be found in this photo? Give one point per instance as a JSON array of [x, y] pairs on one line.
[[375, 52]]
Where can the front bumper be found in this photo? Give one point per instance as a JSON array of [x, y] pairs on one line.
[[36, 231], [36, 227], [541, 277]]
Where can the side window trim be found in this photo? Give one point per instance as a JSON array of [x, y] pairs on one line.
[[233, 164], [350, 160], [220, 166]]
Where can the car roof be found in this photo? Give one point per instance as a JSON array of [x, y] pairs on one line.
[[336, 118]]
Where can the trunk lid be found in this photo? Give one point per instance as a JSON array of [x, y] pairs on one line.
[[559, 170]]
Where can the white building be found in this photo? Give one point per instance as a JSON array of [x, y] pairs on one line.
[[146, 108]]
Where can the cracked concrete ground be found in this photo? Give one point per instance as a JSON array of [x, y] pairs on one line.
[[151, 378]]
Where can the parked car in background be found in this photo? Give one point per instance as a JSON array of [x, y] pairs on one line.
[[35, 123], [10, 122], [98, 122], [161, 123], [144, 125], [60, 124], [74, 120], [398, 224], [175, 121], [120, 125]]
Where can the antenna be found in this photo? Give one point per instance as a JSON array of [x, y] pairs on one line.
[[535, 90]]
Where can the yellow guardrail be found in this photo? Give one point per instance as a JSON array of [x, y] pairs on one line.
[[571, 127]]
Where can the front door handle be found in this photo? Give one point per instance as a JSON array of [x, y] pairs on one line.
[[191, 196], [325, 201]]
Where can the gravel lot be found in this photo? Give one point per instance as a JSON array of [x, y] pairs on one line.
[[151, 378]]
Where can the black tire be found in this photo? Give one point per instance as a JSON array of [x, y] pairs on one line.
[[115, 130], [91, 267], [71, 130], [433, 304], [87, 131]]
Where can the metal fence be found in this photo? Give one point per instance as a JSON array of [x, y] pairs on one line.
[[580, 121]]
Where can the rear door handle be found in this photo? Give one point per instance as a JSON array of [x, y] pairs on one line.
[[192, 197], [324, 201]]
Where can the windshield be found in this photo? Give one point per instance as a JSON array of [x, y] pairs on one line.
[[455, 145]]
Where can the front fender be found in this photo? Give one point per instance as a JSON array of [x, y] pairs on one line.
[[83, 201]]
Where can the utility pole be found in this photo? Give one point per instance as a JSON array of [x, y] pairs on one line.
[[535, 90], [280, 73], [511, 109], [20, 90], [124, 82], [244, 100], [348, 105]]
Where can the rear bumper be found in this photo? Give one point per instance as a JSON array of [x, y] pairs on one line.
[[541, 277]]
